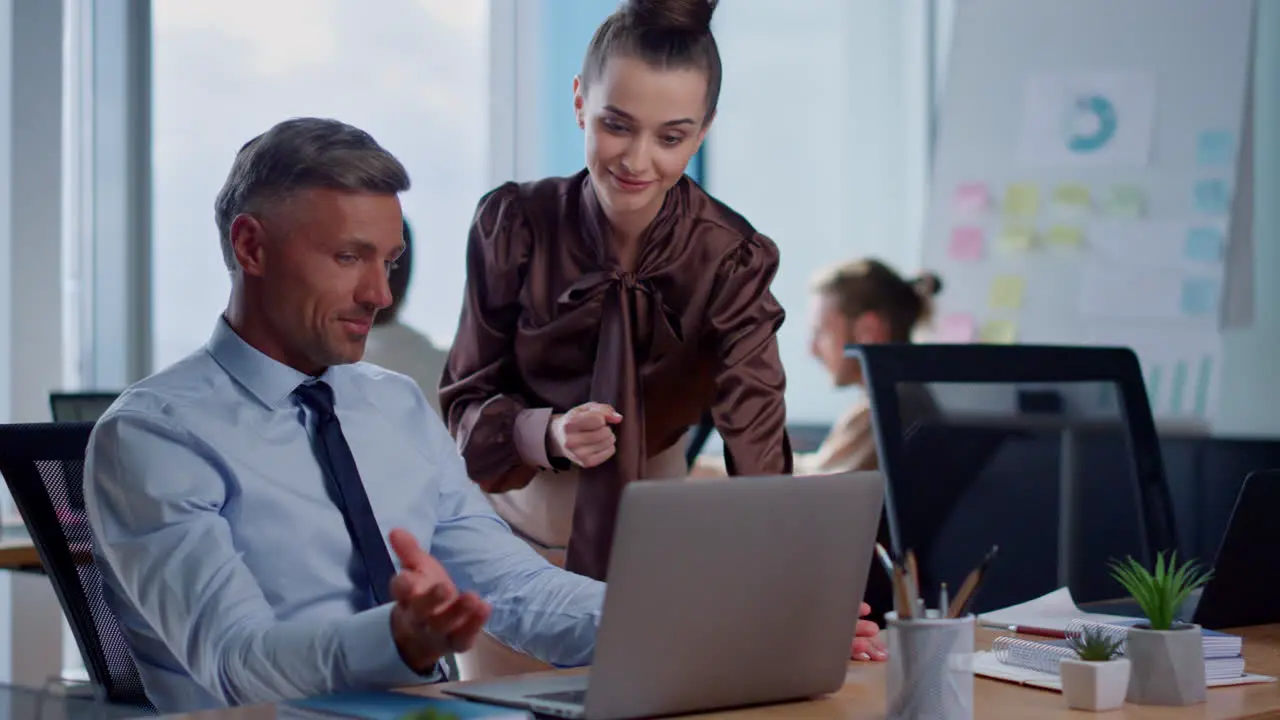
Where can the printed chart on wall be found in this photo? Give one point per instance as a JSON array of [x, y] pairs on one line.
[[1094, 207], [1087, 120]]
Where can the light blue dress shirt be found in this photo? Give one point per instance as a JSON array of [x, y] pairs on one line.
[[230, 567]]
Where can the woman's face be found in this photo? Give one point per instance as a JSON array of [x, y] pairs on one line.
[[833, 331], [642, 126]]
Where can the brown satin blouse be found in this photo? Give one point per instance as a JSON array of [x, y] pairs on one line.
[[550, 320]]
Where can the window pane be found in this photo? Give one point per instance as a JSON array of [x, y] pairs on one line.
[[414, 73]]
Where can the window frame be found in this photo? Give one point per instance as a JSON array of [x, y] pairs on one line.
[[108, 136]]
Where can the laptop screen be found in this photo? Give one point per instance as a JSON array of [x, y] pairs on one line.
[[1034, 468]]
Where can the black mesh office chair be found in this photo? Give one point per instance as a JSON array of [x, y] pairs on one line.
[[1050, 452], [43, 465]]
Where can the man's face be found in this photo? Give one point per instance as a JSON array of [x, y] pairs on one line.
[[321, 266]]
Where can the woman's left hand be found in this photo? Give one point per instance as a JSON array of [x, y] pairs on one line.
[[867, 643]]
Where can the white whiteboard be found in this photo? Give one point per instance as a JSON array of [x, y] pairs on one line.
[[1135, 282]]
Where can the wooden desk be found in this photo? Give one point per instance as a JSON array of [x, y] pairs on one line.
[[17, 552], [863, 695]]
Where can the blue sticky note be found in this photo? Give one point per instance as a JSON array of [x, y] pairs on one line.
[[1212, 197], [1200, 296], [1204, 245], [1215, 147]]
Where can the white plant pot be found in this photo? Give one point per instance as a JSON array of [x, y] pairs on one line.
[[1168, 665], [1093, 685]]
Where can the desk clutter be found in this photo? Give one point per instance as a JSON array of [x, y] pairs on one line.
[[1057, 624]]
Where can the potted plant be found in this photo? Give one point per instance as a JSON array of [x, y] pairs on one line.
[[1098, 677], [1167, 655]]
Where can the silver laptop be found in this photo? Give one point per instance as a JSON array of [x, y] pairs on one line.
[[722, 593]]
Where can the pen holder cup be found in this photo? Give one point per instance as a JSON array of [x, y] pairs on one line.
[[930, 668]]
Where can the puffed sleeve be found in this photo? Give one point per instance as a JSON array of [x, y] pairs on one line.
[[479, 396], [749, 409]]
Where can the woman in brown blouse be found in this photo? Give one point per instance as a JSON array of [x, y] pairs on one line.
[[604, 312]]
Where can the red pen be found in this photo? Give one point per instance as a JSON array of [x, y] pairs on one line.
[[1032, 630]]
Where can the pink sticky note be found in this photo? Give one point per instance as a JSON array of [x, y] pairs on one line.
[[971, 198], [956, 328], [966, 244]]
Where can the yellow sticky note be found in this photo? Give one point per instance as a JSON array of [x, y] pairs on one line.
[[1006, 292], [1017, 238], [1072, 197], [1065, 235], [1022, 200], [1126, 201], [998, 332]]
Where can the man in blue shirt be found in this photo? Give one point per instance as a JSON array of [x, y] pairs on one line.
[[239, 499], [234, 563]]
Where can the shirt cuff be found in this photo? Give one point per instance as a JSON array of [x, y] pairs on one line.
[[531, 436], [372, 659]]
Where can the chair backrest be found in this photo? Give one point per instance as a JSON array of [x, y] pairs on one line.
[[43, 465], [1034, 448]]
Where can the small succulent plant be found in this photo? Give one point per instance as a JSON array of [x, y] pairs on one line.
[[1093, 644], [1160, 593]]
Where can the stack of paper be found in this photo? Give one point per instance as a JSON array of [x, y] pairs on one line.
[[1046, 615]]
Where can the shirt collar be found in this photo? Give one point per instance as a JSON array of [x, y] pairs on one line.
[[271, 382]]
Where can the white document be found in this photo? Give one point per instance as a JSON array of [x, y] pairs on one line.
[[1048, 613], [1088, 120]]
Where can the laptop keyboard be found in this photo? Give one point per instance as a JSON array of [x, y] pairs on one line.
[[572, 697]]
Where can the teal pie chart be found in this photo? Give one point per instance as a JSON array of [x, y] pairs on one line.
[[1090, 123]]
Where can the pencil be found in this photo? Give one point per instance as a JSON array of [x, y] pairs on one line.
[[913, 576], [885, 560], [900, 595]]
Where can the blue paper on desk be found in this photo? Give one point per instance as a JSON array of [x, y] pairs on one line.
[[401, 706]]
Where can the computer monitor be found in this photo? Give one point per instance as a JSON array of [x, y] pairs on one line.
[[80, 407]]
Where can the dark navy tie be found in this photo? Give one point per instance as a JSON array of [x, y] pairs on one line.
[[332, 449]]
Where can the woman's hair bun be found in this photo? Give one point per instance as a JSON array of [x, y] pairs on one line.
[[693, 16], [927, 285]]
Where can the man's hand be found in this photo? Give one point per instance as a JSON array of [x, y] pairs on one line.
[[867, 643], [430, 618], [583, 435]]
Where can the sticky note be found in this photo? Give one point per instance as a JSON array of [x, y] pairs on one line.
[[1017, 238], [971, 199], [1212, 196], [1204, 244], [1022, 200], [1006, 292], [998, 332], [955, 328], [1065, 236], [1072, 198], [966, 244], [1200, 296], [1125, 201], [1215, 147]]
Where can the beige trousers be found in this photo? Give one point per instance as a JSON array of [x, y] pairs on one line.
[[542, 512]]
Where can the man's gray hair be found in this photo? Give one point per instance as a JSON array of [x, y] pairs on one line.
[[302, 154]]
